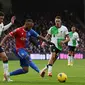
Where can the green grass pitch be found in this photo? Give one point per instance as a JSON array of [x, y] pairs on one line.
[[76, 74]]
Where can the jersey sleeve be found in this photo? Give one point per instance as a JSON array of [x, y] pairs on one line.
[[66, 31], [49, 31], [13, 33], [7, 26], [34, 33], [77, 37]]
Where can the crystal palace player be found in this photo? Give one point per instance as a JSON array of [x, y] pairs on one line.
[[22, 36], [3, 28]]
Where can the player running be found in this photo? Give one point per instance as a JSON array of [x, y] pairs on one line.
[[22, 35], [3, 55], [59, 35], [72, 44]]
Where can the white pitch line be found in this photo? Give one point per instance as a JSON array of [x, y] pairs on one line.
[[77, 76]]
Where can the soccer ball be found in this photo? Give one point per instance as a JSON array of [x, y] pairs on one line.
[[62, 77]]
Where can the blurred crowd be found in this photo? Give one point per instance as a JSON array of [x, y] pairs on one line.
[[42, 24]]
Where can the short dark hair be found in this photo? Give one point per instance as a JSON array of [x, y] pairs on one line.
[[74, 25], [1, 13], [29, 20]]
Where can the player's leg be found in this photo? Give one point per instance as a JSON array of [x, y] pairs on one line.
[[71, 62], [69, 55], [4, 59], [5, 62], [27, 56], [72, 55], [16, 72], [24, 64], [72, 58], [51, 61], [34, 66], [69, 58], [49, 65], [22, 70]]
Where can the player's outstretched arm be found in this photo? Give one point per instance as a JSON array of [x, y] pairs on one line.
[[47, 37], [5, 39], [65, 41], [45, 40], [8, 25]]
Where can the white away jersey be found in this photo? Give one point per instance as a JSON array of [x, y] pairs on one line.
[[58, 34], [1, 28], [74, 38]]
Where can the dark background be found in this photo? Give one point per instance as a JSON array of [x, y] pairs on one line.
[[40, 6]]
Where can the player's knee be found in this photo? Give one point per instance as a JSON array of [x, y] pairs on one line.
[[5, 58], [25, 70], [28, 58], [53, 55], [5, 61], [69, 53]]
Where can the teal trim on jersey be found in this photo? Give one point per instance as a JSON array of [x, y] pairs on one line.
[[59, 46], [70, 34], [73, 41], [54, 30]]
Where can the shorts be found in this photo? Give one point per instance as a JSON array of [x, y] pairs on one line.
[[71, 48], [55, 49], [22, 54], [1, 49]]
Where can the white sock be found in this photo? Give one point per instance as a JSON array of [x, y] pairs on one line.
[[69, 59], [49, 69], [5, 67]]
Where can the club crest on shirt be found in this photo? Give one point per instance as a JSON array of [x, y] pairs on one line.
[[23, 38]]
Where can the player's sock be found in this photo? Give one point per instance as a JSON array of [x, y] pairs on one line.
[[32, 65], [18, 72], [5, 66], [49, 68], [69, 59]]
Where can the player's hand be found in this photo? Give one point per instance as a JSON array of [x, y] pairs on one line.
[[61, 43], [13, 19], [50, 43]]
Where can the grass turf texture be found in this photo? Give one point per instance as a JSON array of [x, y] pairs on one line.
[[76, 74]]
